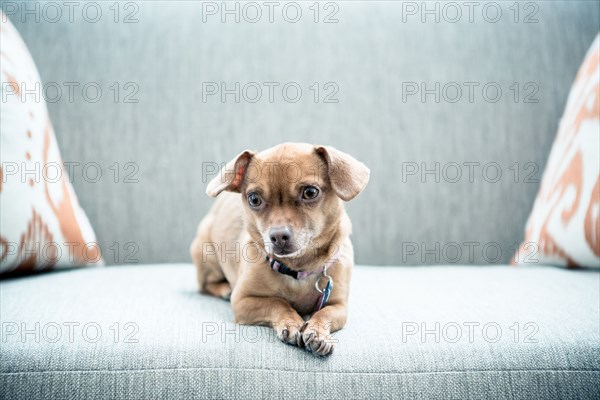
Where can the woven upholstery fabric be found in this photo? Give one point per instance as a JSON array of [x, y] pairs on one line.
[[162, 142], [180, 343]]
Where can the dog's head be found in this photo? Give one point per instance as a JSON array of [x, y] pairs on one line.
[[292, 193]]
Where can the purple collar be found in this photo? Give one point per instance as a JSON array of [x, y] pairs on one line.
[[285, 270], [280, 267]]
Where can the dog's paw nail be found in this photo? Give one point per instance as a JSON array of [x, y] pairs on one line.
[[321, 349], [311, 337], [300, 339], [317, 342], [288, 332], [324, 349]]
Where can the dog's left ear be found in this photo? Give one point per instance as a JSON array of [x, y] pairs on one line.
[[347, 175], [230, 178]]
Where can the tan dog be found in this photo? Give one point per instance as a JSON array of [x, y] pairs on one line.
[[273, 248]]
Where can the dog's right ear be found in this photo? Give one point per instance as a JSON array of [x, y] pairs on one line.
[[231, 177], [348, 176]]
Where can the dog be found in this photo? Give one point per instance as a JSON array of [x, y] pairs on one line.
[[276, 242]]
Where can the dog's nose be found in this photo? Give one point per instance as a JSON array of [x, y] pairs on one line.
[[280, 236]]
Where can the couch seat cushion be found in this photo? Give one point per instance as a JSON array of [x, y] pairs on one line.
[[421, 332]]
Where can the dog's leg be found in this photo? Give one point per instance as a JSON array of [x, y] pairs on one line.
[[271, 311], [316, 335], [211, 279], [218, 289]]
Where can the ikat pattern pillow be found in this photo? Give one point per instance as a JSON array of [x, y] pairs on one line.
[[42, 225], [564, 225]]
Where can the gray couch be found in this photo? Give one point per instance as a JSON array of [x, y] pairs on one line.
[[435, 312]]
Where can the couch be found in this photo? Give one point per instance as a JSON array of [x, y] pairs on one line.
[[435, 309]]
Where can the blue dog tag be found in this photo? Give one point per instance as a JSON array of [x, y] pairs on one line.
[[324, 293]]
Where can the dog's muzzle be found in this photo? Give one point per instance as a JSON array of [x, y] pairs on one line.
[[282, 240]]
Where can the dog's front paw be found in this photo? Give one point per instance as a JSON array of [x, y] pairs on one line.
[[316, 338], [289, 331]]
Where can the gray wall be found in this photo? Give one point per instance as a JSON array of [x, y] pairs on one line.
[[371, 54]]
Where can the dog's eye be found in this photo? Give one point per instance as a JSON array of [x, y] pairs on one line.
[[310, 192], [254, 200]]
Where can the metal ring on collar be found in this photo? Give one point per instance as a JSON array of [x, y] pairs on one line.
[[329, 282]]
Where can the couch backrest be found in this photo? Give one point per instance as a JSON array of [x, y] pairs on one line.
[[477, 93]]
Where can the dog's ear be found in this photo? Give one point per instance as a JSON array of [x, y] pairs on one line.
[[231, 177], [347, 175]]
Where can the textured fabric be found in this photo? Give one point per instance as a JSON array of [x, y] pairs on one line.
[[369, 54], [564, 225], [42, 225], [180, 343]]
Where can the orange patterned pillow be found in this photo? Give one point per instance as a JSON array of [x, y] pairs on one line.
[[42, 225], [564, 225]]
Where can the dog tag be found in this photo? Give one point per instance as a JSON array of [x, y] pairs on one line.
[[324, 292]]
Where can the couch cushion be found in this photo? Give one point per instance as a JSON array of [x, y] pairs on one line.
[[174, 342]]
